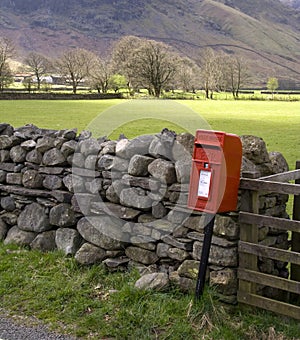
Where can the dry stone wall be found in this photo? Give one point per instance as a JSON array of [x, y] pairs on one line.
[[21, 94], [123, 203]]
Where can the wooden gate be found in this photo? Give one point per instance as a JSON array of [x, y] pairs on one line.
[[250, 249]]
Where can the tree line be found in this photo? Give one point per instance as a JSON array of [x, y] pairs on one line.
[[135, 63]]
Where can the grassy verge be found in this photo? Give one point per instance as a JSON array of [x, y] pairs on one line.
[[89, 303]]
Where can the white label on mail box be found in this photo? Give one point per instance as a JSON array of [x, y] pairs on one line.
[[204, 183]]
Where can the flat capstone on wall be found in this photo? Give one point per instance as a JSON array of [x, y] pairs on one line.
[[123, 203]]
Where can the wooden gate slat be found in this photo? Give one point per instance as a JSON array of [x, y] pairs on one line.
[[269, 221], [269, 186], [269, 280], [269, 252], [269, 304], [283, 176]]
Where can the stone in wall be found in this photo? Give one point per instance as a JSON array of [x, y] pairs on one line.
[[116, 210], [163, 170], [34, 218], [44, 144], [224, 281], [158, 210], [89, 146], [28, 145], [185, 284], [7, 142], [32, 179], [4, 156], [255, 150], [219, 256], [104, 231], [3, 229], [74, 183], [6, 129], [44, 241], [90, 254], [153, 281], [138, 165], [279, 163], [17, 154], [8, 203], [189, 269], [68, 240], [136, 198], [53, 157], [69, 147], [14, 178], [138, 146], [62, 215], [183, 170], [141, 255], [19, 237], [227, 227], [178, 254], [34, 156], [52, 182], [183, 147]]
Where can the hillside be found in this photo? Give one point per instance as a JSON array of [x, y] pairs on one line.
[[292, 3], [265, 32]]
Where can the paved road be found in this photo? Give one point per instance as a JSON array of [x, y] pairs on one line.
[[11, 330]]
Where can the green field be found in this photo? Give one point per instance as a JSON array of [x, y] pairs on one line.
[[277, 122]]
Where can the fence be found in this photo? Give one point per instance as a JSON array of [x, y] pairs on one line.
[[250, 249]]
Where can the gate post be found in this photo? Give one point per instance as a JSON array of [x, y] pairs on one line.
[[295, 269], [249, 233]]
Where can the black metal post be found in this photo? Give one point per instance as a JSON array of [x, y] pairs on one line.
[[208, 232]]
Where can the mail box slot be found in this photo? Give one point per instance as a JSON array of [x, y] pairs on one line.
[[215, 173]]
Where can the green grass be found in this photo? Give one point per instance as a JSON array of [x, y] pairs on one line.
[[54, 114], [277, 122], [92, 304]]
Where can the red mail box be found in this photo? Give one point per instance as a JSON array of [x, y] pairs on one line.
[[215, 173]]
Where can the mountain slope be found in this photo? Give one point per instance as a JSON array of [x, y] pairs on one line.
[[265, 32], [292, 3]]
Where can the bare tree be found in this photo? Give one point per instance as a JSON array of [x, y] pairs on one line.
[[211, 72], [101, 74], [39, 64], [236, 74], [156, 65], [123, 52], [221, 72], [7, 51], [187, 76], [146, 63], [76, 65], [122, 57]]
